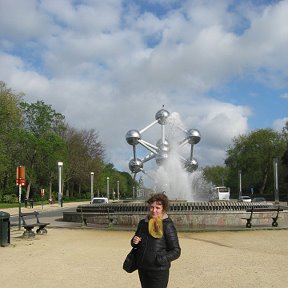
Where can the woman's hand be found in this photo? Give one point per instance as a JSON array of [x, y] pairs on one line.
[[136, 240]]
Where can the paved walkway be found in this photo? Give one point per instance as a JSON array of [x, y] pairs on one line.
[[54, 221], [46, 207]]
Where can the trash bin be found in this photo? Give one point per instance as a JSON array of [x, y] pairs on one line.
[[4, 228]]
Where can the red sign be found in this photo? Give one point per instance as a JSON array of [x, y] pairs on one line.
[[20, 181], [20, 176]]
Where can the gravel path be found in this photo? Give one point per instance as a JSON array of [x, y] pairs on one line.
[[93, 258]]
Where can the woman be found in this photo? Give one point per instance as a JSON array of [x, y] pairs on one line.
[[157, 244]]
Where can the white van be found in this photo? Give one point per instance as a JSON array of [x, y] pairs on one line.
[[99, 200], [244, 199]]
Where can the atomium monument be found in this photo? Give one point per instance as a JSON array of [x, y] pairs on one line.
[[160, 152]]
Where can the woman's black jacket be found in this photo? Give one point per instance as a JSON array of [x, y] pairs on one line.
[[157, 253]]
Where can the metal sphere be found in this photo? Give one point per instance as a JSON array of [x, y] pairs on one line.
[[135, 166], [193, 135], [161, 158], [163, 146], [192, 165], [161, 116], [132, 137], [159, 142], [162, 149]]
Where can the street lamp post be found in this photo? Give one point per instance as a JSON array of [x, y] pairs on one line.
[[240, 183], [92, 185], [60, 200], [108, 188], [118, 192], [276, 190]]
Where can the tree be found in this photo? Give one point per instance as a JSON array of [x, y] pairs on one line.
[[40, 119], [53, 149], [85, 155], [126, 182], [253, 155], [10, 124], [284, 158], [217, 175], [41, 142]]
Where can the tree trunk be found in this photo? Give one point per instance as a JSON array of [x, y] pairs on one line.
[[79, 191], [50, 189], [264, 181], [28, 190], [67, 192]]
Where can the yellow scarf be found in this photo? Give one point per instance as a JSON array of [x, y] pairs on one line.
[[155, 227]]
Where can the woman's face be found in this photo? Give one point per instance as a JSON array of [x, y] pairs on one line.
[[156, 209]]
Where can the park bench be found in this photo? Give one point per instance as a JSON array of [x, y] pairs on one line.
[[272, 211], [29, 224], [103, 214]]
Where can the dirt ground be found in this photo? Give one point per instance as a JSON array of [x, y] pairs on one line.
[[93, 258]]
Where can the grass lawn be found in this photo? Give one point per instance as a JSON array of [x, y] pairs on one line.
[[8, 205]]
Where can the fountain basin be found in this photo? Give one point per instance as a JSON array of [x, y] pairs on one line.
[[187, 216]]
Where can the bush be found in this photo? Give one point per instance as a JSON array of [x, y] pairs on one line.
[[10, 198]]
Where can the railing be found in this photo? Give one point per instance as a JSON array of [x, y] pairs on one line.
[[174, 207]]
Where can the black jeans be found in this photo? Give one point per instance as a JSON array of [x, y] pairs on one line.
[[153, 279]]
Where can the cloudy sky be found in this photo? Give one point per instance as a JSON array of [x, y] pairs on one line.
[[111, 65]]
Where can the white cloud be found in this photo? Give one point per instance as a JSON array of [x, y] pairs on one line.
[[284, 96], [23, 21], [20, 78], [263, 47], [279, 124], [93, 64]]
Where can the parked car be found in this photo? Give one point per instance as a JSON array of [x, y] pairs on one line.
[[99, 200], [259, 199], [244, 199]]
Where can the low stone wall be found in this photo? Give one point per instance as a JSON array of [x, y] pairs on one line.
[[184, 221], [224, 220]]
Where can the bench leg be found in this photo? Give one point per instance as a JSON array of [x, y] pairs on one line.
[[28, 233], [248, 224], [110, 223], [41, 230], [275, 223]]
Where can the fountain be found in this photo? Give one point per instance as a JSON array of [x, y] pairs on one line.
[[173, 174], [177, 176]]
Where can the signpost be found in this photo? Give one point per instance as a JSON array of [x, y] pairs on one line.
[[20, 181]]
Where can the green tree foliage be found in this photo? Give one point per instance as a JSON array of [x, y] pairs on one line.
[[217, 175], [85, 155], [284, 159], [40, 119], [126, 182], [253, 155], [53, 148], [41, 143], [10, 124]]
